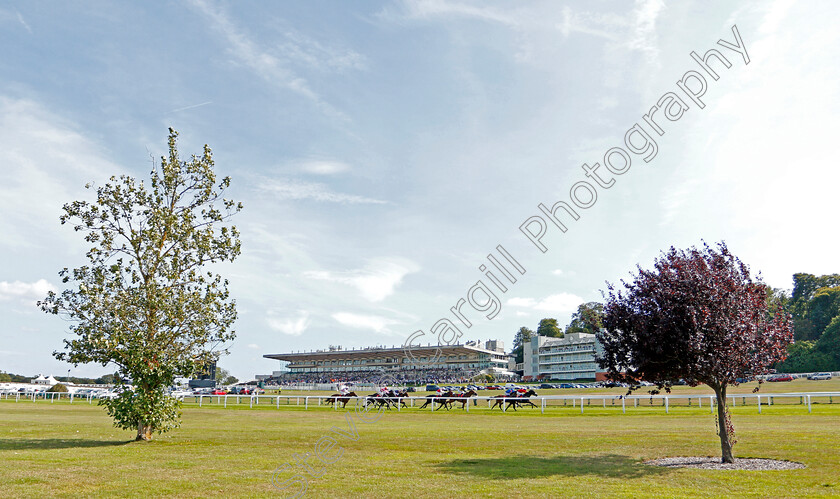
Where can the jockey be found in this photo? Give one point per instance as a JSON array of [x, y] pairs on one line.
[[343, 389], [511, 391], [383, 390]]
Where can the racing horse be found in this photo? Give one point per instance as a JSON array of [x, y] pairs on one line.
[[519, 399], [460, 398], [431, 398], [339, 398], [392, 397]]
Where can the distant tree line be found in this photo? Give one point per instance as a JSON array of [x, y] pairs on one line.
[[814, 306], [107, 379]]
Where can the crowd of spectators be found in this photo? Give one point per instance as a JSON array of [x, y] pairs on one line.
[[416, 376]]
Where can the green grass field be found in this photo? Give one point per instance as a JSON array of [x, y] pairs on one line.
[[72, 450]]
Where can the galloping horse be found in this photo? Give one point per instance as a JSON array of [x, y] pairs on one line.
[[387, 399], [514, 401], [462, 398], [343, 399], [431, 398]]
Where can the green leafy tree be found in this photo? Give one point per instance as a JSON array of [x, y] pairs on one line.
[[5, 378], [223, 377], [805, 288], [588, 318], [58, 388], [806, 285], [108, 379], [522, 337], [800, 358], [549, 327], [146, 300], [823, 307], [777, 299], [812, 356], [828, 346]]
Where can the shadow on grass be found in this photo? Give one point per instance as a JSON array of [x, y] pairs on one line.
[[56, 443], [608, 466]]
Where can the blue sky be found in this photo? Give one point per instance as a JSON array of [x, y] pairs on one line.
[[382, 150]]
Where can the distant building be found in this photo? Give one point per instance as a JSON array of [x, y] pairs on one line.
[[470, 357], [569, 358], [45, 380], [206, 378]]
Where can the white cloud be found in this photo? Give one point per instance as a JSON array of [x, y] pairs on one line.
[[428, 9], [298, 190], [557, 272], [375, 282], [643, 36], [522, 302], [23, 22], [6, 15], [560, 303], [318, 167], [45, 163], [358, 321], [311, 53], [291, 326], [270, 66], [25, 291], [253, 346]]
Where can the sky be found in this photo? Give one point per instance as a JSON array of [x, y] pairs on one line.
[[382, 150]]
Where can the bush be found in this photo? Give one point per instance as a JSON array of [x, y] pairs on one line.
[[58, 388]]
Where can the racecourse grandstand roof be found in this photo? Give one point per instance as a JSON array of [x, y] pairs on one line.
[[469, 356], [377, 352]]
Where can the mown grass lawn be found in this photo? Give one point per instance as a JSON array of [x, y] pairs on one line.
[[63, 450]]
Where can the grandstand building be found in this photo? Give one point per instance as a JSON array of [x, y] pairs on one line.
[[569, 358], [469, 358]]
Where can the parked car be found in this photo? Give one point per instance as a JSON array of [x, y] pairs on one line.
[[431, 388], [546, 386], [819, 376], [219, 391], [780, 377]]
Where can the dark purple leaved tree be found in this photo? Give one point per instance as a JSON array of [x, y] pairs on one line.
[[697, 316]]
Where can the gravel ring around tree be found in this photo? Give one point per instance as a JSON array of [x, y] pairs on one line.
[[713, 463]]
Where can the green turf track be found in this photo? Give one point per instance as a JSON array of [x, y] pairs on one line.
[[67, 451]]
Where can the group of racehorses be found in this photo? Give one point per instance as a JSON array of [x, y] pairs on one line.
[[446, 400]]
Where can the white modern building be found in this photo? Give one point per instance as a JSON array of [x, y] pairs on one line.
[[569, 358]]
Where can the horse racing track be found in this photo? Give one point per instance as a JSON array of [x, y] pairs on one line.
[[58, 449]]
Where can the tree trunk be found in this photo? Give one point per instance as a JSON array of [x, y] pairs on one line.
[[144, 431], [723, 427]]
